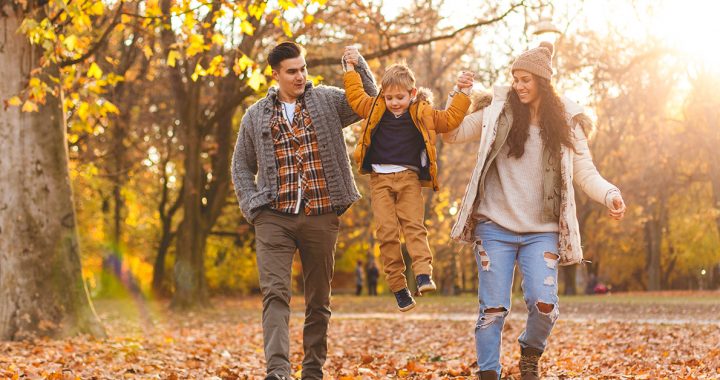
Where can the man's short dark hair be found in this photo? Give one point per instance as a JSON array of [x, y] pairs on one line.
[[283, 51]]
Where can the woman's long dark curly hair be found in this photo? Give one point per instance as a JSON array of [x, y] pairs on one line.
[[554, 128]]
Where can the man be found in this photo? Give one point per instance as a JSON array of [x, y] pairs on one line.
[[372, 277], [292, 178]]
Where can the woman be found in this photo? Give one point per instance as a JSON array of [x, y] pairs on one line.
[[520, 204]]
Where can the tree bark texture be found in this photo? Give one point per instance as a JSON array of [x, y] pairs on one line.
[[41, 288]]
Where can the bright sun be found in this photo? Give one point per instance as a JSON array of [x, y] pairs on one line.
[[692, 27]]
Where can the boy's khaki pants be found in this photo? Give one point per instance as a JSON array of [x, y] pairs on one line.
[[397, 202]]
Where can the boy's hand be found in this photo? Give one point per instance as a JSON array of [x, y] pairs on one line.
[[465, 80], [351, 57]]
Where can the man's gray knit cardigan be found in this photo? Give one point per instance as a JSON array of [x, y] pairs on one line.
[[254, 171]]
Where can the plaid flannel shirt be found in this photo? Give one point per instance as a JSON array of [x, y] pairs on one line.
[[301, 178]]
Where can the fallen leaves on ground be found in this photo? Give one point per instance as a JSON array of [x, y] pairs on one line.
[[434, 341]]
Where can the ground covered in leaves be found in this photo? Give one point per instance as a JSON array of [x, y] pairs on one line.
[[635, 336]]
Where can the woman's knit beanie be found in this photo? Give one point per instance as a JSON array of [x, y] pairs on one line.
[[537, 61]]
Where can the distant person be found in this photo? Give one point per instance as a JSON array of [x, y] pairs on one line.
[[519, 205], [372, 277], [592, 281], [358, 278], [397, 150], [292, 179]]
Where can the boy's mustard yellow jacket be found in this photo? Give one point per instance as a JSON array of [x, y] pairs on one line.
[[427, 120]]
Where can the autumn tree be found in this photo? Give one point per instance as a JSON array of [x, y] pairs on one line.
[[41, 287]]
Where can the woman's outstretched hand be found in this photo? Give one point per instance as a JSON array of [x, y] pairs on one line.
[[618, 208]]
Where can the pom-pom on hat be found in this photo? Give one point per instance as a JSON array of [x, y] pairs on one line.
[[537, 61]]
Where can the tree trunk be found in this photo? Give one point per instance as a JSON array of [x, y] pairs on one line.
[[41, 287], [202, 202], [158, 280], [569, 277], [653, 238], [119, 177], [189, 271], [714, 163]]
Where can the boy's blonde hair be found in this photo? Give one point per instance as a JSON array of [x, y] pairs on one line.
[[400, 75]]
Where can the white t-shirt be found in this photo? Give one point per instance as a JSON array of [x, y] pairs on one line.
[[388, 168], [289, 111]]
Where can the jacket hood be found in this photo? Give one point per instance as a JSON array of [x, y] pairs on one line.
[[479, 99]]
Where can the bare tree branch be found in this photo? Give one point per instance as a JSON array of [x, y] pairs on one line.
[[385, 52]]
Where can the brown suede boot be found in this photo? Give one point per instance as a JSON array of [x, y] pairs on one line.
[[530, 363], [488, 375]]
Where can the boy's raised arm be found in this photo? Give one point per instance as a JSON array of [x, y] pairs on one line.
[[449, 119], [357, 98]]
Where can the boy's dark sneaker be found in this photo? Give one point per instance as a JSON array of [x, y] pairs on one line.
[[404, 299], [425, 283]]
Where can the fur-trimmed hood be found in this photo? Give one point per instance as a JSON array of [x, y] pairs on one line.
[[479, 99], [424, 94]]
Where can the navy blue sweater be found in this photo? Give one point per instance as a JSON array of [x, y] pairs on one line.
[[395, 141]]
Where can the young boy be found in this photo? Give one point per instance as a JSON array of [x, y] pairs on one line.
[[397, 149]]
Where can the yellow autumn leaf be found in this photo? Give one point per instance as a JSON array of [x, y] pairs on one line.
[[218, 39], [268, 71], [247, 28], [190, 22], [315, 79], [114, 79], [199, 71], [216, 66], [196, 45], [14, 101], [240, 13], [29, 106], [256, 80], [98, 8], [83, 110], [285, 4], [309, 19], [147, 50], [94, 71], [109, 107], [286, 28], [70, 42], [244, 62], [257, 10], [173, 55]]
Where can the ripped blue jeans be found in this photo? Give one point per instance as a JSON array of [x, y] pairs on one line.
[[496, 251]]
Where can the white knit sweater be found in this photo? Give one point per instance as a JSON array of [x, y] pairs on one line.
[[514, 189]]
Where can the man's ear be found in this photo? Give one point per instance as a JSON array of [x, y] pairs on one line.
[[275, 75]]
